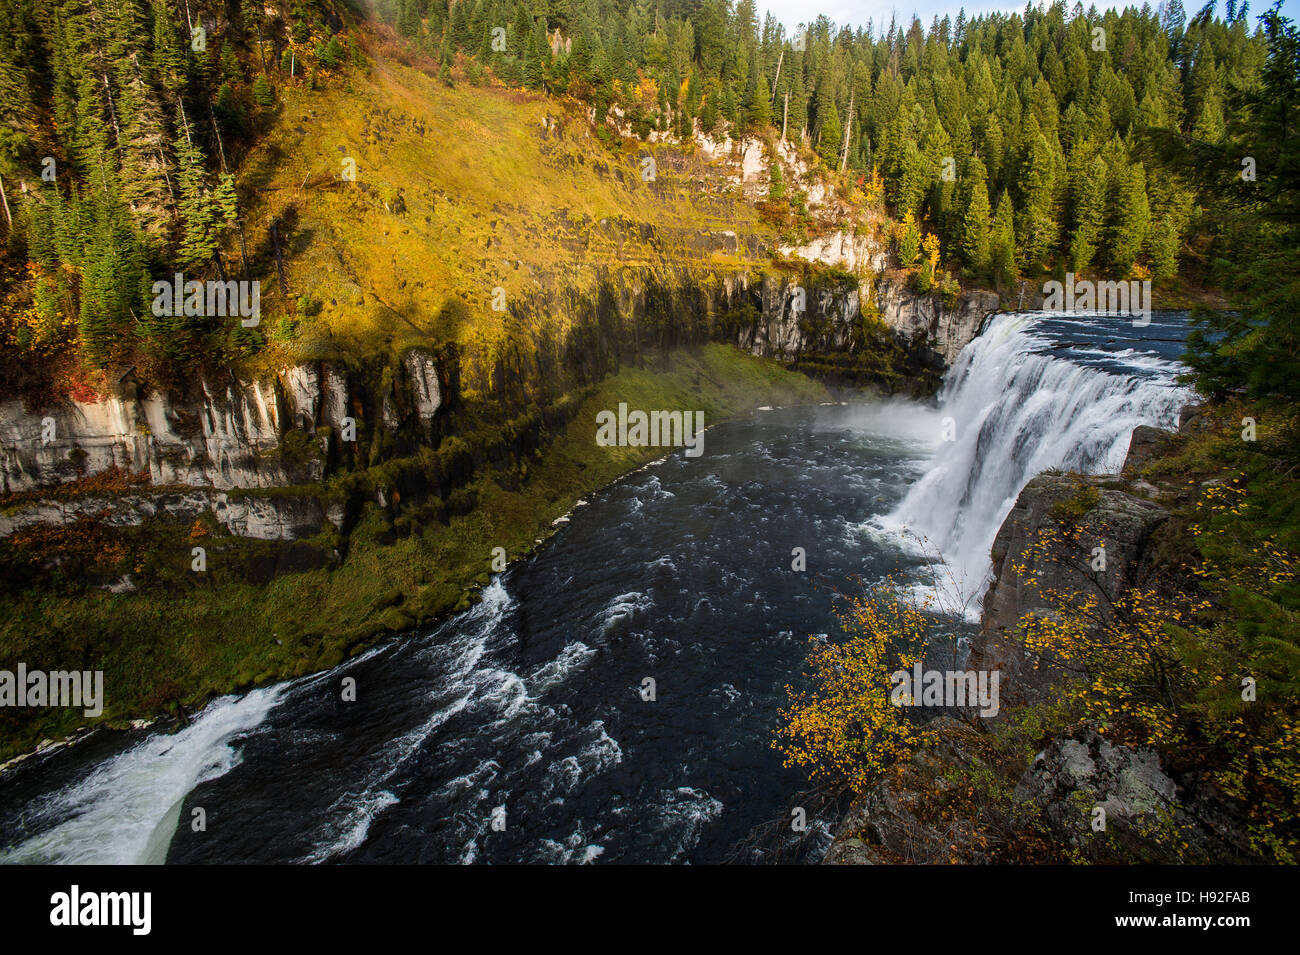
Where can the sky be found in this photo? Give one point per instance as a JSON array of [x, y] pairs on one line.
[[856, 13]]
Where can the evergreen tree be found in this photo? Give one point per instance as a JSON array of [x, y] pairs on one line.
[[536, 53], [829, 139], [776, 191], [1038, 219], [976, 222], [758, 111], [1002, 239], [1256, 347], [1088, 194], [201, 217], [909, 243], [1130, 218], [262, 92], [709, 114]]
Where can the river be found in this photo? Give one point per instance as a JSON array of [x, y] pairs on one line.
[[519, 730]]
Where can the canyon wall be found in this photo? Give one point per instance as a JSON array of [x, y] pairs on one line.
[[235, 448]]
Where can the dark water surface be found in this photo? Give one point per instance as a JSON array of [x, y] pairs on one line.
[[528, 707], [531, 701]]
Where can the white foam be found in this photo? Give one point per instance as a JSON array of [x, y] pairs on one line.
[[572, 658], [125, 811]]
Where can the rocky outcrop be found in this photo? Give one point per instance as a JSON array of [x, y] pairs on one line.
[[1147, 812], [1145, 445], [946, 328], [228, 435], [1105, 799], [847, 249], [220, 438], [279, 517], [283, 517], [224, 435], [1075, 777], [1105, 516], [426, 392], [794, 320]]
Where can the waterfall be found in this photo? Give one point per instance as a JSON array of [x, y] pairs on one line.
[[1035, 392]]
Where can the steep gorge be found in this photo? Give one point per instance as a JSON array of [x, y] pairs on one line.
[[397, 427]]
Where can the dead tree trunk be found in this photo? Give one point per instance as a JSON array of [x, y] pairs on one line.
[[279, 259]]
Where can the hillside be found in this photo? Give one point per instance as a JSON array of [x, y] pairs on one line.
[[376, 294], [463, 190]]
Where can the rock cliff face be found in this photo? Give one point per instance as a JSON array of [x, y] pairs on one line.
[[844, 249], [948, 329], [225, 436], [1115, 510], [796, 320], [945, 328], [281, 518], [1105, 515], [315, 418]]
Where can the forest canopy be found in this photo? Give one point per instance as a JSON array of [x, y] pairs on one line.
[[1017, 140]]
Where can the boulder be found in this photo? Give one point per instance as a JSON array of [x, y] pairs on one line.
[[1144, 446], [1074, 776], [1194, 419], [1149, 815]]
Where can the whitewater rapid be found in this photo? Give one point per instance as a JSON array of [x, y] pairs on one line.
[[125, 811]]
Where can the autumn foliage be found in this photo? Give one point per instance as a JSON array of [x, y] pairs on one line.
[[844, 729], [1205, 672]]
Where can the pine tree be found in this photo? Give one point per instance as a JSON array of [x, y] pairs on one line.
[[1088, 194], [829, 139], [758, 112], [330, 53], [1002, 239], [111, 282], [200, 217], [1130, 219], [535, 56], [1255, 347], [1038, 221], [909, 243], [167, 59], [709, 114], [776, 191], [262, 92], [408, 18], [977, 220]]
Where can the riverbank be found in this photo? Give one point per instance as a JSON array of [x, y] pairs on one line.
[[169, 648]]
